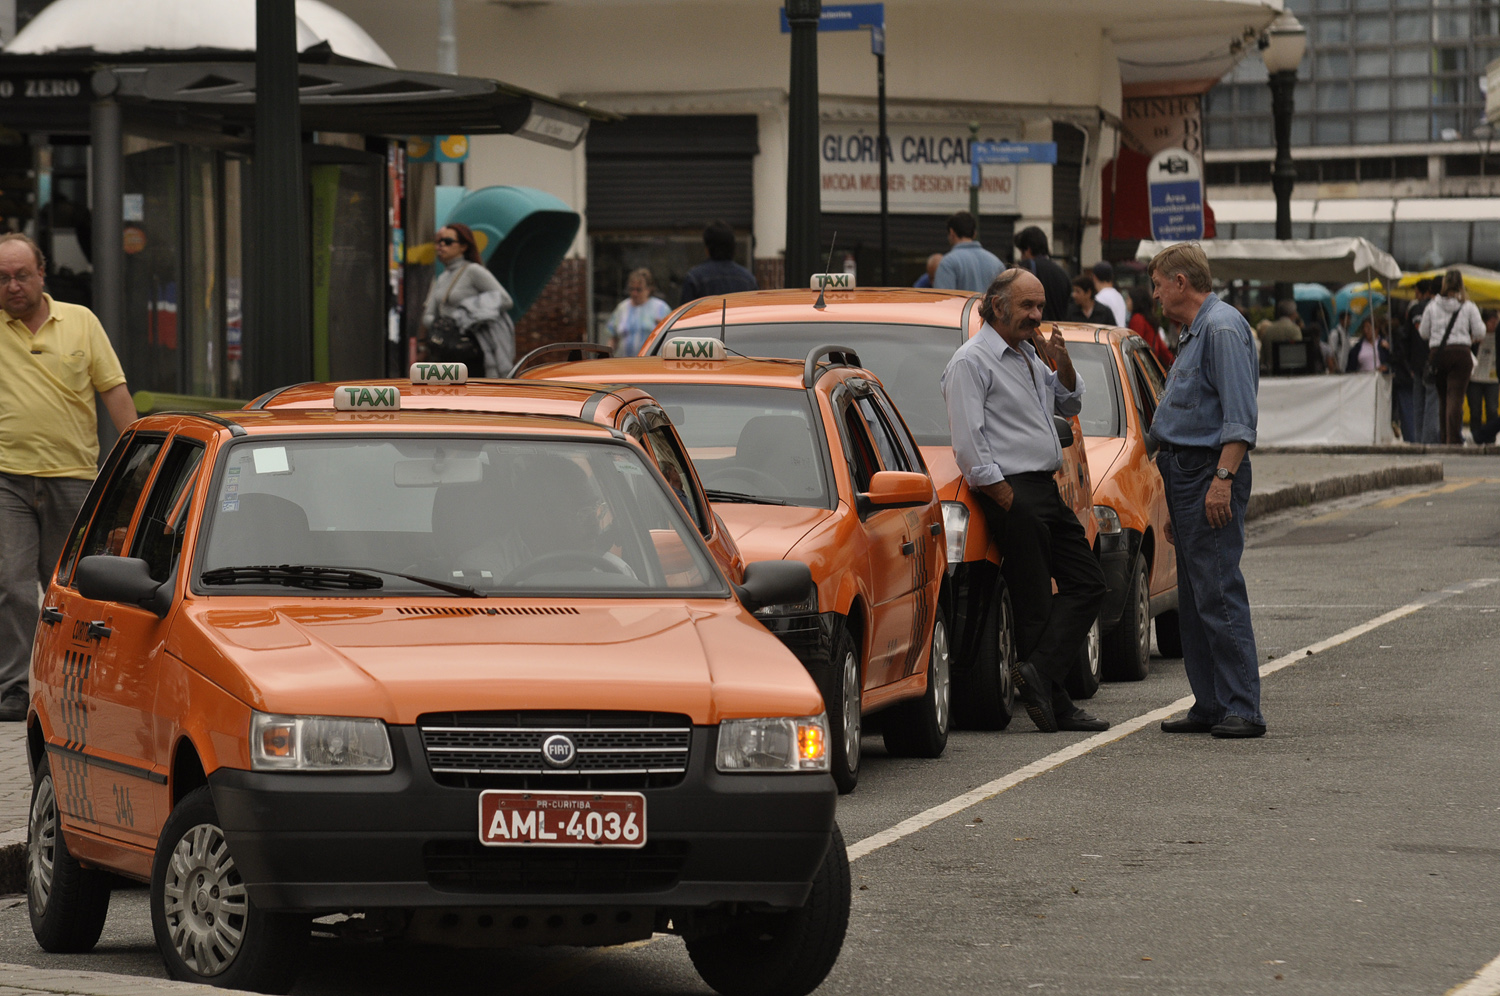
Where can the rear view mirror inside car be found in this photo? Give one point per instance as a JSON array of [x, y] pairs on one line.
[[439, 470]]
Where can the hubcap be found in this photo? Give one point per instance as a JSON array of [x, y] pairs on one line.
[[1143, 619], [1006, 655], [851, 712], [938, 676], [1093, 648], [41, 848], [204, 901]]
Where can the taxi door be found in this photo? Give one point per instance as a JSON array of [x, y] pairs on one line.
[[889, 541], [1145, 384], [111, 654]]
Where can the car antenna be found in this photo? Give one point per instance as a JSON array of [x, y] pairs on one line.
[[724, 322], [820, 304]]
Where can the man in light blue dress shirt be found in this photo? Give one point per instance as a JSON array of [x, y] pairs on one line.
[[1001, 398], [1205, 423], [967, 265]]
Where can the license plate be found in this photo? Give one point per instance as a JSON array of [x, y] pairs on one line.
[[562, 819]]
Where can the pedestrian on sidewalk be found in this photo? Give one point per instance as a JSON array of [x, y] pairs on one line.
[[1002, 394], [1449, 325], [1085, 307], [933, 262], [1205, 423], [53, 358], [720, 274], [968, 265], [1105, 293], [467, 311], [1031, 244], [1143, 324], [1484, 385], [1426, 414], [636, 317]]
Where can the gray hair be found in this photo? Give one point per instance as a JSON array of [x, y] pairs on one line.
[[1000, 290]]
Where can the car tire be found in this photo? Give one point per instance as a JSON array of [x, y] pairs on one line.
[[985, 697], [1084, 681], [843, 700], [919, 727], [781, 954], [1169, 634], [207, 928], [1127, 647], [67, 902]]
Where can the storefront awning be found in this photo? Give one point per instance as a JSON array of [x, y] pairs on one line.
[[1290, 260]]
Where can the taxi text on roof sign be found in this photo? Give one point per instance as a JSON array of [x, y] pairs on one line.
[[694, 348], [439, 373], [357, 398], [832, 281]]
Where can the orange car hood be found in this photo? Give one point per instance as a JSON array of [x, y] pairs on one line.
[[768, 532], [944, 470], [709, 662], [1102, 452]]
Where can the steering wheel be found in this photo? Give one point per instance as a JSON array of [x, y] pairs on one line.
[[566, 559], [758, 480]]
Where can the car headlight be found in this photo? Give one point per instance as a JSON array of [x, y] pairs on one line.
[[956, 528], [807, 606], [1107, 520], [318, 743], [777, 744]]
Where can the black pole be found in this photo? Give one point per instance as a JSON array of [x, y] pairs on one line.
[[803, 205], [1284, 173], [278, 337], [884, 145], [107, 172]]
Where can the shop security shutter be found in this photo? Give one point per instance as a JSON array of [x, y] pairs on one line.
[[655, 172]]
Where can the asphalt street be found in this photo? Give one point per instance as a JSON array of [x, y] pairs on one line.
[[1352, 850]]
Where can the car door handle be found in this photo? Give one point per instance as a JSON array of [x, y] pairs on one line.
[[50, 615], [936, 529], [99, 631], [908, 548]]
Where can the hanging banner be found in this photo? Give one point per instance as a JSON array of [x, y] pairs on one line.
[[927, 168]]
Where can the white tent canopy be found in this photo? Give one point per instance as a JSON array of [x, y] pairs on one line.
[[1332, 261]]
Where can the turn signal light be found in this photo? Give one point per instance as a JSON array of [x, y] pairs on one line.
[[812, 743]]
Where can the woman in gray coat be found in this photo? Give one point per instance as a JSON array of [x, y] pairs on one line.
[[467, 292]]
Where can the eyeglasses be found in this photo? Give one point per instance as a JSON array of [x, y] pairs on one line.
[[449, 242]]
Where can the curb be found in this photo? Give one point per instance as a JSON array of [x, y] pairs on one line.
[[12, 862], [74, 983], [1387, 449], [1341, 486]]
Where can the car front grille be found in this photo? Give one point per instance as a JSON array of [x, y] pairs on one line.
[[615, 750], [468, 866]]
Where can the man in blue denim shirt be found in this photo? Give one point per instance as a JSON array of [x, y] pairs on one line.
[[1205, 424]]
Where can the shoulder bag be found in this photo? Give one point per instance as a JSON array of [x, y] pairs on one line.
[[1430, 371], [449, 342]]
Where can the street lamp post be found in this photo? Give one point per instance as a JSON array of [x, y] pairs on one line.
[[803, 207], [1281, 48]]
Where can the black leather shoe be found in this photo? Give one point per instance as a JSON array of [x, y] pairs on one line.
[[1185, 725], [13, 707], [1081, 720], [1237, 728], [1033, 697]]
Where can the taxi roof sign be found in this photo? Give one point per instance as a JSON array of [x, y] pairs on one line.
[[831, 281], [366, 398], [439, 373], [685, 347]]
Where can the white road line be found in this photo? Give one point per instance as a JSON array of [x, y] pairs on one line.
[[1485, 983], [958, 804]]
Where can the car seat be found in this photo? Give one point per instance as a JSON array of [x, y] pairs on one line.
[[780, 446], [263, 530]]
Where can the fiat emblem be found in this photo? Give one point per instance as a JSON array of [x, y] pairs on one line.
[[559, 751]]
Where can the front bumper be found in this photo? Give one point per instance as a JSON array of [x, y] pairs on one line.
[[315, 842], [1116, 553]]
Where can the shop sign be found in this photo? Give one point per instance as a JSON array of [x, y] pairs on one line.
[[927, 168], [27, 88]]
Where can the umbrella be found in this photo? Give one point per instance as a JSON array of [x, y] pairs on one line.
[[1482, 286], [1314, 299], [1358, 298]]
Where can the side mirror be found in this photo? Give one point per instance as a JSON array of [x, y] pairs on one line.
[[897, 489], [1064, 431], [121, 579], [775, 582]]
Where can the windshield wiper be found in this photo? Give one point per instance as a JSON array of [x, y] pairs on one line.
[[742, 498], [305, 576]]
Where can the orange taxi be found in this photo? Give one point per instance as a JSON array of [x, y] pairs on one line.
[[906, 337], [467, 679], [809, 460], [1130, 502]]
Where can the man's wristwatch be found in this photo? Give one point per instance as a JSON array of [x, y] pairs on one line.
[[1223, 474]]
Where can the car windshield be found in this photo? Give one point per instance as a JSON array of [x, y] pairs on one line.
[[415, 514], [756, 444], [1095, 363], [908, 359]]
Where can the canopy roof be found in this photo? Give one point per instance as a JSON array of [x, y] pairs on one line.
[[1290, 260], [1482, 286]]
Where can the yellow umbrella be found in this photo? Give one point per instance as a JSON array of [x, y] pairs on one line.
[[1482, 286], [1355, 298]]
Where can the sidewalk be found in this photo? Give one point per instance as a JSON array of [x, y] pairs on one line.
[[1281, 480]]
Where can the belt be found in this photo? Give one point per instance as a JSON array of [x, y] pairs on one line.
[[1174, 448]]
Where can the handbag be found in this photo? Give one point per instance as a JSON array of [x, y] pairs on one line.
[[1430, 371], [450, 342]]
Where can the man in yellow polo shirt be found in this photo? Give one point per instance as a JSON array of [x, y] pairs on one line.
[[53, 357]]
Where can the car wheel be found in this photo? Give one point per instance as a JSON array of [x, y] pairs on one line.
[[781, 954], [1168, 634], [1084, 681], [1127, 647], [986, 697], [66, 901], [843, 700], [919, 727], [206, 927]]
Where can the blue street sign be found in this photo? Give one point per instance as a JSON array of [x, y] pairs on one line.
[[1177, 211], [845, 17], [992, 153]]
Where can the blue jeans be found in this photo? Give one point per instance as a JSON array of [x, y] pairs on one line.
[[1213, 607], [1425, 412], [1401, 399]]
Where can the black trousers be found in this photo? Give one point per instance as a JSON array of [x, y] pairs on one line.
[[1040, 540]]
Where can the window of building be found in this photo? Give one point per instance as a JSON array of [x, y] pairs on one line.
[[1372, 95], [1452, 23], [1486, 244], [1372, 28], [1332, 131], [1332, 65], [1332, 30], [1333, 96], [1412, 93], [1427, 245], [1372, 129], [1255, 133], [1413, 27], [1372, 63]]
